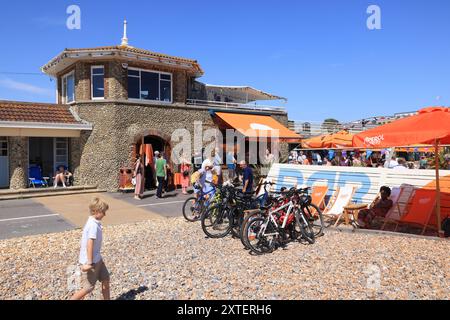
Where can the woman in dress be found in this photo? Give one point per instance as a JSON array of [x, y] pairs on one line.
[[185, 170], [139, 176]]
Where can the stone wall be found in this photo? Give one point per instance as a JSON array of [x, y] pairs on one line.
[[97, 156], [116, 80], [18, 162]]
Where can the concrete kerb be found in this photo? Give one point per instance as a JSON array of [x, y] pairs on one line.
[[20, 196]]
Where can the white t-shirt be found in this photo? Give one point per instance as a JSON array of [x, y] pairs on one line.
[[319, 158], [392, 164], [91, 230]]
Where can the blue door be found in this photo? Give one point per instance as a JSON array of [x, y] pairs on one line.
[[4, 163]]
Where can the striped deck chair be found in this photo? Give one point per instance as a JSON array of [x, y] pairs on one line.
[[318, 195], [400, 197], [420, 212], [340, 199]]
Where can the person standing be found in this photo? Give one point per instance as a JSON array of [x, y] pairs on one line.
[[217, 164], [270, 158], [423, 163], [231, 165], [93, 268], [161, 174], [185, 169], [247, 177], [197, 160], [319, 159], [139, 176], [393, 163], [306, 161], [401, 166]]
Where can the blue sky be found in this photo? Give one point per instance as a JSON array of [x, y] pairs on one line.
[[317, 53]]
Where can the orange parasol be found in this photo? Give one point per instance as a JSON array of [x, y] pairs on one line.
[[342, 139], [431, 127]]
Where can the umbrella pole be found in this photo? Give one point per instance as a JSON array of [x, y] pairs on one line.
[[438, 188]]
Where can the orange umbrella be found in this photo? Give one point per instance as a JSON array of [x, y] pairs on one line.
[[342, 139], [431, 127]]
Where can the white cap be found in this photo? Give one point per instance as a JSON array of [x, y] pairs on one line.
[[207, 163]]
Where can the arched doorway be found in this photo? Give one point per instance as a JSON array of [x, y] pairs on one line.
[[158, 142]]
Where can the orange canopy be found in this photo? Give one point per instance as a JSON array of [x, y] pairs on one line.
[[342, 139], [429, 125], [257, 126]]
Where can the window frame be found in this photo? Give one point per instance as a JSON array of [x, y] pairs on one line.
[[92, 82], [64, 87], [140, 70], [55, 152]]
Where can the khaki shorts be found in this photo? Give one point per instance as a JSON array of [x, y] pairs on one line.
[[90, 278]]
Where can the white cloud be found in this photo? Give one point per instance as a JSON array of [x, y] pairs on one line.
[[25, 87]]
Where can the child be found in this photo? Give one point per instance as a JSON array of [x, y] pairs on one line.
[[93, 268]]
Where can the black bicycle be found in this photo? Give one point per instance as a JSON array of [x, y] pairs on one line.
[[286, 221], [227, 216]]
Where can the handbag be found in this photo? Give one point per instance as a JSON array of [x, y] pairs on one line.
[[133, 181]]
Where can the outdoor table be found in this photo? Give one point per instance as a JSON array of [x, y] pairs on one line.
[[353, 210]]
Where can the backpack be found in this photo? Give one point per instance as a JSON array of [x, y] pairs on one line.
[[195, 176]]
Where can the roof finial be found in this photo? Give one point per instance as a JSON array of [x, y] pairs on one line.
[[125, 39]]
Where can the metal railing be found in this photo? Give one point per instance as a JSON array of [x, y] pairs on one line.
[[233, 105], [315, 128]]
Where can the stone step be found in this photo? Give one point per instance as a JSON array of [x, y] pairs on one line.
[[46, 192]]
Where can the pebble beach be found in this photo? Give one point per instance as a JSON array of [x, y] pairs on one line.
[[171, 259]]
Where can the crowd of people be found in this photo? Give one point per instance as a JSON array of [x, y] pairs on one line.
[[205, 169], [365, 159]]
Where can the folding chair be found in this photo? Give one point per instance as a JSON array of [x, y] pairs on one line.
[[35, 177], [419, 213], [318, 195], [400, 197], [340, 199]]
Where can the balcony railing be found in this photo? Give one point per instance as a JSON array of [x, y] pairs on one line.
[[233, 106], [312, 128]]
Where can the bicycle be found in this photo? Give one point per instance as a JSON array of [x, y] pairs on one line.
[[264, 234], [265, 201], [194, 207], [227, 216]]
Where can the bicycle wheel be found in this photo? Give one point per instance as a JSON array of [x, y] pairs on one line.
[[257, 242], [216, 222], [192, 209], [306, 227], [245, 222], [236, 223], [314, 214]]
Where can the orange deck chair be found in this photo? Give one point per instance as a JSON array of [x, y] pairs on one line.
[[318, 195], [419, 213]]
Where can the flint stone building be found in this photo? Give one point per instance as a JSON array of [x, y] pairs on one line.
[[110, 100]]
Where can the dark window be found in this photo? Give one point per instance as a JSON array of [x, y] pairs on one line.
[[165, 91], [133, 87], [149, 85], [98, 82]]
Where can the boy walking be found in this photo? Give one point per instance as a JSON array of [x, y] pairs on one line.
[[93, 268]]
